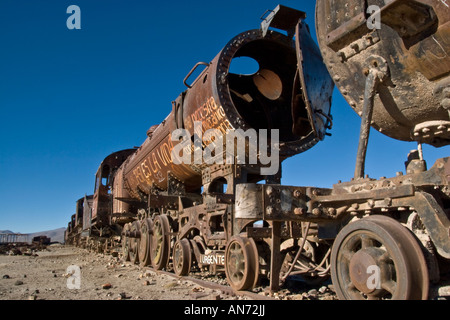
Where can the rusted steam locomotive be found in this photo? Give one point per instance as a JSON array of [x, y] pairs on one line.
[[378, 239]]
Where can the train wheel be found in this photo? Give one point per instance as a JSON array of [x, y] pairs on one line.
[[126, 244], [377, 258], [160, 242], [134, 244], [182, 257], [144, 242], [241, 263]]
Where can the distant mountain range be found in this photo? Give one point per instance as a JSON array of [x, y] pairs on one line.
[[56, 235]]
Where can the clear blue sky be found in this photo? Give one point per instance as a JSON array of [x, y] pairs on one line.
[[68, 98]]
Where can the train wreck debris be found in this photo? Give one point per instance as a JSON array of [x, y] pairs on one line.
[[376, 239], [13, 238]]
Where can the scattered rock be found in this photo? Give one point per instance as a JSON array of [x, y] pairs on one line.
[[18, 283], [313, 293], [106, 286], [122, 296], [323, 289], [198, 289], [171, 285], [96, 280]]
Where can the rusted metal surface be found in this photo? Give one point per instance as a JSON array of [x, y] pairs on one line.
[[79, 228], [288, 203], [413, 38], [281, 17], [376, 74], [160, 242], [182, 257], [313, 82], [13, 238], [225, 101], [101, 208], [433, 217], [241, 263], [383, 244], [87, 212], [145, 230], [41, 240]]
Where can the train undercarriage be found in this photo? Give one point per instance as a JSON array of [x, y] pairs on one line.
[[376, 239]]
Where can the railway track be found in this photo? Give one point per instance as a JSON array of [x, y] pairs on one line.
[[294, 289], [224, 289]]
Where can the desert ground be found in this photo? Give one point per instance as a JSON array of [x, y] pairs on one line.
[[51, 274], [46, 275]]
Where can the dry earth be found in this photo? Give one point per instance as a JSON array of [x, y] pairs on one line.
[[45, 276], [103, 277]]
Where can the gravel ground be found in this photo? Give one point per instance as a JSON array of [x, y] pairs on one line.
[[45, 276]]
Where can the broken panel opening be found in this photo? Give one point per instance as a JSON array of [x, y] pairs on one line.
[[263, 98]]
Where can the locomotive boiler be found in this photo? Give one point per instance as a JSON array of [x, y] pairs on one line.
[[223, 101], [171, 208]]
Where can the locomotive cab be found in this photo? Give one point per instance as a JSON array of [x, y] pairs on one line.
[[101, 194], [101, 209]]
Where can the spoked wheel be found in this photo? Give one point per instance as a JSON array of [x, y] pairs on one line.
[[241, 263], [126, 243], [160, 242], [182, 257], [144, 242], [134, 243], [377, 258]]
